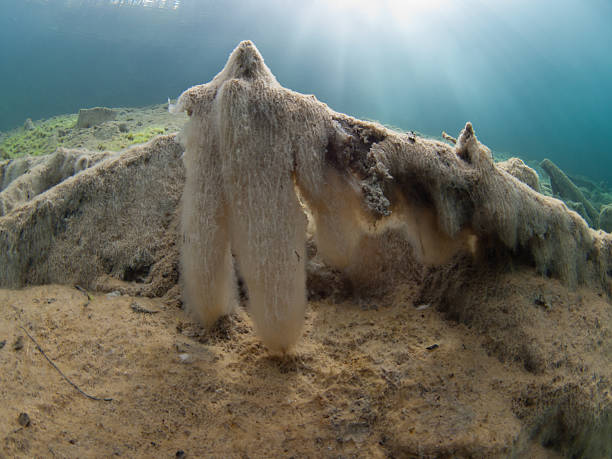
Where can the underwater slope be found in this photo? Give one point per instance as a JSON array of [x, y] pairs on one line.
[[472, 242]]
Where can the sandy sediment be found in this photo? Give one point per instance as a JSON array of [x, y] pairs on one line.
[[525, 372]]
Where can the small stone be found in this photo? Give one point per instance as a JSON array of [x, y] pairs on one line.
[[18, 345], [185, 358], [28, 125], [180, 454], [113, 294], [542, 301], [23, 419]]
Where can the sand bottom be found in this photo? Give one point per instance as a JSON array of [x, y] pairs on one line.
[[368, 379]]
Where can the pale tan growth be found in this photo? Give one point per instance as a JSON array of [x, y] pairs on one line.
[[467, 190], [10, 169], [371, 250], [418, 225], [248, 142], [245, 144], [24, 178], [376, 196], [517, 168], [113, 220], [339, 224], [382, 203]]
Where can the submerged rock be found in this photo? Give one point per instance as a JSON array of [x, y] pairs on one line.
[[28, 125], [89, 117]]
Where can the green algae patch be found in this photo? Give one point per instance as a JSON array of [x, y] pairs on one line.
[[127, 139], [132, 126], [44, 138]]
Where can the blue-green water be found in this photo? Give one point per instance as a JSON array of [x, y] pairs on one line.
[[535, 77]]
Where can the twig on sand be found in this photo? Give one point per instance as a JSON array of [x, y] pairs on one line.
[[106, 399], [85, 292], [137, 308]]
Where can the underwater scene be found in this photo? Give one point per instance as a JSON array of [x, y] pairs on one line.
[[279, 228]]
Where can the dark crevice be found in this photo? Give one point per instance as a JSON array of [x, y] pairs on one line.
[[136, 274]]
